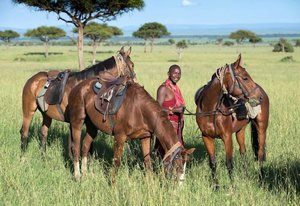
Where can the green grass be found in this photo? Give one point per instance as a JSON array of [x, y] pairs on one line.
[[34, 180]]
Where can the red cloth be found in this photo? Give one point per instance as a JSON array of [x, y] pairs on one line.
[[177, 93], [177, 101], [170, 104]]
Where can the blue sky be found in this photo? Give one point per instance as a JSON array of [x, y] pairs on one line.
[[168, 12]]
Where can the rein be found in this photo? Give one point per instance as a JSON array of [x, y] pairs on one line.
[[213, 112]]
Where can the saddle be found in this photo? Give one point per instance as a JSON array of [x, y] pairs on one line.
[[53, 90], [110, 94]]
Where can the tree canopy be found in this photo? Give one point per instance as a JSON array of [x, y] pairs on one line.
[[80, 12], [46, 33], [242, 35], [8, 35], [151, 31]]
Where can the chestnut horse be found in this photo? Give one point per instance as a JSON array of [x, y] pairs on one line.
[[218, 116], [138, 118], [116, 66]]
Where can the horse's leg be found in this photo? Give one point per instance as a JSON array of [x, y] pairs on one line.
[[75, 145], [118, 150], [227, 139], [146, 144], [91, 133], [210, 147], [240, 137], [259, 129], [44, 132], [29, 107]]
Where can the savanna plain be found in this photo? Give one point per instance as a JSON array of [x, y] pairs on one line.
[[48, 180]]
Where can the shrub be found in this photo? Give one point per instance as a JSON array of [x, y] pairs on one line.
[[228, 43], [283, 46], [287, 59]]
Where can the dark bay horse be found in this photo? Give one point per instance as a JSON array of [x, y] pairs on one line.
[[116, 65], [138, 118], [219, 117]]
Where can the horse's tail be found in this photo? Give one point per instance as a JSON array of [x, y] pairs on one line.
[[254, 138]]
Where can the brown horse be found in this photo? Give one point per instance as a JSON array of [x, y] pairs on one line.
[[221, 111], [116, 66], [138, 118]]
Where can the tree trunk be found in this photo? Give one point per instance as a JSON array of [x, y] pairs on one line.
[[152, 40], [94, 51], [80, 47], [46, 49], [145, 47]]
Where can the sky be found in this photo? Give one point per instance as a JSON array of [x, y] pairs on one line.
[[170, 12]]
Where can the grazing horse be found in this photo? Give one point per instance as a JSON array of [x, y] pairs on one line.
[[138, 117], [221, 111], [116, 65]]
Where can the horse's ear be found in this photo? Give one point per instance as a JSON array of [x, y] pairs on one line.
[[239, 61], [122, 49], [128, 51]]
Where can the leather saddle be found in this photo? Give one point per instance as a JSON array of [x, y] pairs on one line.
[[53, 90], [56, 88], [110, 94]]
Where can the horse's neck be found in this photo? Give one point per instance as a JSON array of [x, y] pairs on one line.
[[211, 95]]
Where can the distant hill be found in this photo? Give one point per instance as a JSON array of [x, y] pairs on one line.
[[261, 29], [200, 30]]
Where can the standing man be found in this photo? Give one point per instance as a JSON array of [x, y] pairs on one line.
[[171, 100]]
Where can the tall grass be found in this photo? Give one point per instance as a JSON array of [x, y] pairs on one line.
[[34, 180]]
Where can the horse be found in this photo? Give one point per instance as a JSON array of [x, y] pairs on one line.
[[221, 111], [116, 65], [138, 117]]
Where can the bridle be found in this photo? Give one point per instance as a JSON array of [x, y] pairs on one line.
[[220, 73], [124, 64], [174, 154]]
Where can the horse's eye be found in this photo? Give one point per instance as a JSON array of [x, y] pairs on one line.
[[245, 78]]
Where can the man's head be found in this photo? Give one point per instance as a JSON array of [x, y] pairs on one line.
[[174, 73]]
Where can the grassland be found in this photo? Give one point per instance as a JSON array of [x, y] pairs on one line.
[[34, 180]]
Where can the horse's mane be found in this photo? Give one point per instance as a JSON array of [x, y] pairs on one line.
[[94, 69]]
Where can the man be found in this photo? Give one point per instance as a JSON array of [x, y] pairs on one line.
[[171, 100]]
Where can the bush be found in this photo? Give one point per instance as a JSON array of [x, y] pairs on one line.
[[283, 46], [297, 42], [287, 59], [228, 43]]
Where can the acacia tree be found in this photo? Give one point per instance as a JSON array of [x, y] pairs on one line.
[[241, 35], [180, 46], [151, 31], [7, 36], [98, 33], [255, 39], [80, 12], [45, 34]]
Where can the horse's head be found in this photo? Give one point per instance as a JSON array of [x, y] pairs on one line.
[[125, 65], [175, 162], [236, 81]]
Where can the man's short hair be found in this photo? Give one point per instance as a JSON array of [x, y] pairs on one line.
[[174, 66]]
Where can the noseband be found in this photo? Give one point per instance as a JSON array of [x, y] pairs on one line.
[[174, 153]]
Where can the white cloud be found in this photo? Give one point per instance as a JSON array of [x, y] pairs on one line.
[[186, 2]]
